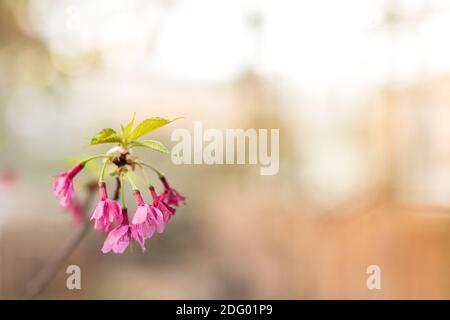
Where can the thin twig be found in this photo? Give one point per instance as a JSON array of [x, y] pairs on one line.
[[42, 280], [117, 191], [46, 275]]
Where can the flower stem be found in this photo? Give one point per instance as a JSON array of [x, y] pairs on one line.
[[147, 178], [102, 173], [122, 193], [133, 185], [159, 173], [95, 157]]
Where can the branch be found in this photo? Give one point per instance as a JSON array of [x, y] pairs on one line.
[[40, 282]]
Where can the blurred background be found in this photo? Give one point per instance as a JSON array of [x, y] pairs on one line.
[[360, 91]]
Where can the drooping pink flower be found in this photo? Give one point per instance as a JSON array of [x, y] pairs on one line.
[[118, 238], [106, 211], [146, 220], [171, 196], [63, 186], [160, 204]]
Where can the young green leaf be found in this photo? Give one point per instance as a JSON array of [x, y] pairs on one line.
[[148, 125], [126, 131], [152, 144], [106, 136]]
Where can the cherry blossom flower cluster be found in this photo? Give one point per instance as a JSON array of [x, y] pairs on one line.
[[111, 216]]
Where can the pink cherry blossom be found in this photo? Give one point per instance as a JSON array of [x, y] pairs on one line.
[[118, 238], [145, 221], [63, 186], [160, 204], [106, 211], [171, 196]]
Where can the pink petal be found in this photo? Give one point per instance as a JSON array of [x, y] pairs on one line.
[[60, 182], [140, 215], [67, 198], [136, 235], [147, 230], [100, 225], [113, 237], [121, 246], [158, 218], [114, 206], [99, 210]]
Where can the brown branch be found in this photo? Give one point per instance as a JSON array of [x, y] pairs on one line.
[[40, 282]]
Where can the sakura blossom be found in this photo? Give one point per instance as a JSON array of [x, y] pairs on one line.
[[63, 186], [106, 212], [146, 220], [110, 215], [170, 195]]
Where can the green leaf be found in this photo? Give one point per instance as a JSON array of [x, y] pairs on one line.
[[106, 136], [152, 144], [149, 125], [127, 129]]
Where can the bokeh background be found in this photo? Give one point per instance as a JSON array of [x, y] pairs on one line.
[[360, 91]]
